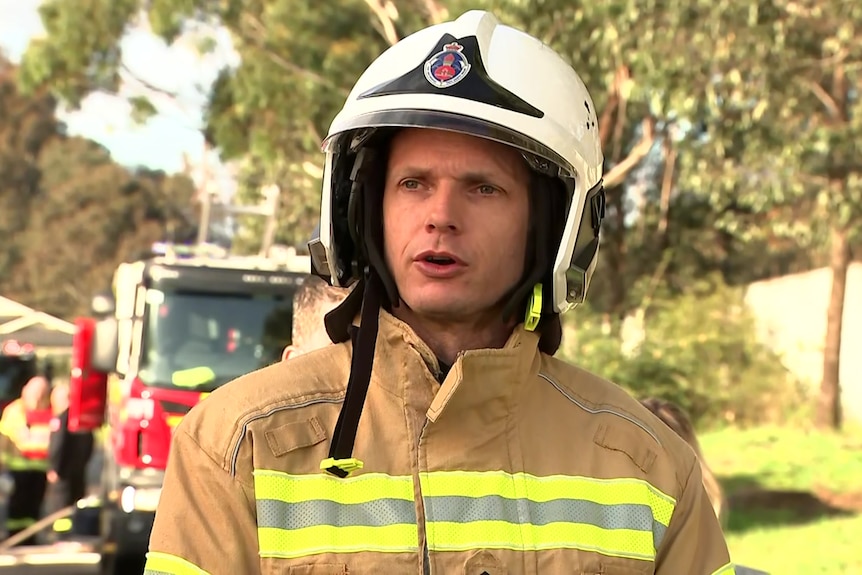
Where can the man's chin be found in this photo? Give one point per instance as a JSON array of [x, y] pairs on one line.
[[443, 307]]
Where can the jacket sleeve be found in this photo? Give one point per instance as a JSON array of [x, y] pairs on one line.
[[205, 521], [694, 543]]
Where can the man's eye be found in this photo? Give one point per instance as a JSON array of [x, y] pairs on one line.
[[410, 184], [487, 190]]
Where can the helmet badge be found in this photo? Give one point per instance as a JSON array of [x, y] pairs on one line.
[[447, 67]]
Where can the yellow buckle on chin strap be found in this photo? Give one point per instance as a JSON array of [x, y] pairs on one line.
[[345, 465], [534, 309]]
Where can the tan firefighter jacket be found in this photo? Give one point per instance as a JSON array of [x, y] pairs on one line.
[[517, 464]]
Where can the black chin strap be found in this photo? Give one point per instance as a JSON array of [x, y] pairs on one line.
[[341, 461]]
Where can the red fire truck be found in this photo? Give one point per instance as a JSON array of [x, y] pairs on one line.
[[176, 327]]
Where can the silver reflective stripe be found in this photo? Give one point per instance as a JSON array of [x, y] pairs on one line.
[[454, 509], [299, 515]]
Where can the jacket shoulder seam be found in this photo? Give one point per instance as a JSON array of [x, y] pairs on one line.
[[594, 408], [213, 459]]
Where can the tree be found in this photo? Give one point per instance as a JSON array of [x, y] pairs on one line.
[[777, 154], [91, 214], [827, 50], [646, 66], [26, 126], [68, 213]]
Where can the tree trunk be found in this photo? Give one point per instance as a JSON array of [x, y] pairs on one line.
[[829, 404]]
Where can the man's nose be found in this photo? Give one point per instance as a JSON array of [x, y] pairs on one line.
[[442, 209]]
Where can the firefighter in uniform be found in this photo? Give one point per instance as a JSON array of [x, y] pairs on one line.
[[25, 429], [462, 199]]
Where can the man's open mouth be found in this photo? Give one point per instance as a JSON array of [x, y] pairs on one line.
[[440, 260]]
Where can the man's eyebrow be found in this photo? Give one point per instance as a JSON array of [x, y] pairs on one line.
[[413, 171], [476, 177]]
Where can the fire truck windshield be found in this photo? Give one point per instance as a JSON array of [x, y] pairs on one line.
[[199, 341]]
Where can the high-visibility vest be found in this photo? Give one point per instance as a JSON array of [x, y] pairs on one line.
[[29, 433]]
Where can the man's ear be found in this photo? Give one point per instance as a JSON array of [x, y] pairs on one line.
[[289, 352]]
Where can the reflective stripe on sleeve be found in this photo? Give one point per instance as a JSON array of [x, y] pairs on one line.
[[728, 569], [167, 564], [496, 510], [301, 515]]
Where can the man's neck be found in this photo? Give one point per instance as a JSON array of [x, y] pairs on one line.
[[447, 338]]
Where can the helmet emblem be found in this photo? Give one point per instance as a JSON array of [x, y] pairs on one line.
[[447, 67]]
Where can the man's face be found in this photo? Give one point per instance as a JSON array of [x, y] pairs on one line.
[[455, 219]]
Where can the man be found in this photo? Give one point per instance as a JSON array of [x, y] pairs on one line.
[[68, 453], [465, 207], [312, 300], [24, 435]]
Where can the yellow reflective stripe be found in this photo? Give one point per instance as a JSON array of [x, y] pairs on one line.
[[616, 517], [728, 569], [301, 515], [167, 564], [12, 418], [624, 543], [293, 543], [21, 463], [548, 488], [359, 489]]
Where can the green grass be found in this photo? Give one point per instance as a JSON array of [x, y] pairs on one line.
[[814, 525]]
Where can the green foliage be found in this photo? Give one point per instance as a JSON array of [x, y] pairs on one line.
[[68, 213], [697, 349], [97, 212], [94, 28]]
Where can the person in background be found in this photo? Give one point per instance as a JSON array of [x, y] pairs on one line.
[[24, 436], [312, 301], [68, 453], [675, 417]]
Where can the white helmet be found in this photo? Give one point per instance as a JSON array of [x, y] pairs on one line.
[[475, 76]]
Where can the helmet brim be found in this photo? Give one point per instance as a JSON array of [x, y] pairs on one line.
[[360, 128]]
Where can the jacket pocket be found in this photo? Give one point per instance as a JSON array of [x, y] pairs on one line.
[[484, 563], [295, 435]]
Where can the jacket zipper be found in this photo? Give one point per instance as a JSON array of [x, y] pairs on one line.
[[426, 558], [426, 567]]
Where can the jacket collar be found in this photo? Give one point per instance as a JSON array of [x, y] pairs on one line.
[[403, 361]]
